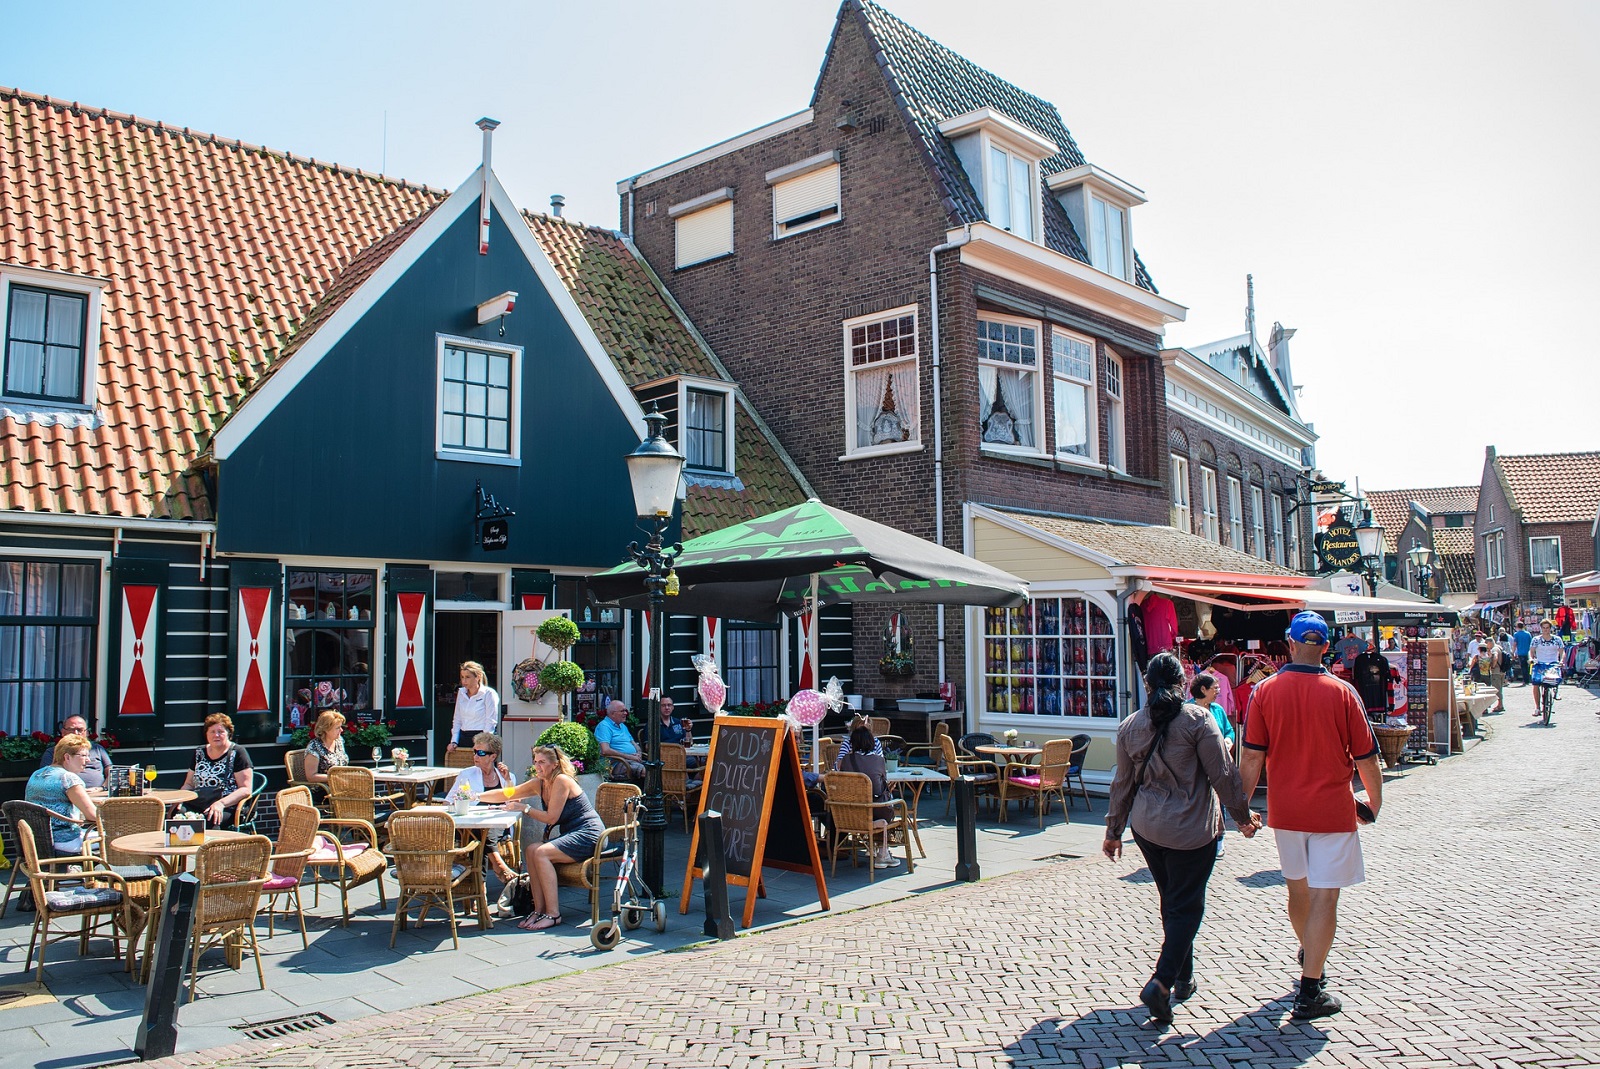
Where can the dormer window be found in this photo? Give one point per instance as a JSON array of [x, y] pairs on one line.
[[52, 333], [1001, 157], [700, 420], [1099, 203]]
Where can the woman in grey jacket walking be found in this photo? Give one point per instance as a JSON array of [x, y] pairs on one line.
[[1172, 764]]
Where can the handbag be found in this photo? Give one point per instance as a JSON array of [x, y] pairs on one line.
[[516, 898]]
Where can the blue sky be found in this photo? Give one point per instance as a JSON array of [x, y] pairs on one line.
[[1410, 183]]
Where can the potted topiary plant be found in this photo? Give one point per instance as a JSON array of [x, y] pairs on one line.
[[581, 749], [558, 632], [561, 678]]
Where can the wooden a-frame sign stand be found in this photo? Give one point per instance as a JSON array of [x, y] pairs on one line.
[[753, 778]]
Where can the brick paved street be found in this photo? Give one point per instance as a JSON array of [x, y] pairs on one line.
[[1472, 944]]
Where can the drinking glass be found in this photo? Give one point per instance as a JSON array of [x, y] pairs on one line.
[[150, 775], [377, 756]]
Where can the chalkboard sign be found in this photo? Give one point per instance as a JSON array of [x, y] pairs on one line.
[[753, 778]]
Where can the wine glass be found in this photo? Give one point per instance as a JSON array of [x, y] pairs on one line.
[[150, 776], [377, 756]]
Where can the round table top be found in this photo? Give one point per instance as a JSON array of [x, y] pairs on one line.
[[155, 844], [172, 796], [1010, 751]]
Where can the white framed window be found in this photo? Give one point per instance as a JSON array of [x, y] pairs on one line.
[[1182, 514], [881, 392], [705, 429], [1008, 383], [1494, 555], [1107, 237], [1235, 514], [1292, 531], [1011, 192], [1055, 657], [51, 325], [1258, 521], [1116, 455], [805, 195], [1277, 529], [703, 228], [1072, 365], [1001, 157], [478, 397], [1208, 505], [1544, 554]]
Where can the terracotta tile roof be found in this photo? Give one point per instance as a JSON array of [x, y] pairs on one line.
[[1150, 546], [1392, 508], [931, 84], [1457, 550], [1552, 487], [648, 338], [214, 249]]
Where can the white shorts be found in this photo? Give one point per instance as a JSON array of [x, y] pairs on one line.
[[1322, 859]]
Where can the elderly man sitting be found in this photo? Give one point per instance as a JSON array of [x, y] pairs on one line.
[[616, 742], [96, 767]]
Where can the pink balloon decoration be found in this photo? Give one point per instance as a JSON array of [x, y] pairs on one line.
[[713, 691], [808, 707]]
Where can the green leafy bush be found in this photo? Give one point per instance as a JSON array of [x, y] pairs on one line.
[[575, 741], [558, 633], [561, 677]]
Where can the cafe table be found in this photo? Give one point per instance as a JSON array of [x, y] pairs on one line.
[[1009, 757], [172, 796], [699, 749], [174, 858], [916, 779], [414, 776]]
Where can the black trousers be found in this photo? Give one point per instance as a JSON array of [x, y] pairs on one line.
[[1181, 877]]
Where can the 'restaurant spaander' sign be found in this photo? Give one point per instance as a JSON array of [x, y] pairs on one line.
[[1337, 546]]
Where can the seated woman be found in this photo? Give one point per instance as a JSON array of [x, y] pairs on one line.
[[564, 804], [863, 753], [219, 772], [326, 748], [59, 788], [488, 773]]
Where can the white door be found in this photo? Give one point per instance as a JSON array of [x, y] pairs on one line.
[[524, 720]]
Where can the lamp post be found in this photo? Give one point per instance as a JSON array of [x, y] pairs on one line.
[[1552, 580], [1369, 539], [1421, 558], [654, 469]]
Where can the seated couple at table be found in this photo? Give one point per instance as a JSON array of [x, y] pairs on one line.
[[862, 752], [561, 802], [617, 743]]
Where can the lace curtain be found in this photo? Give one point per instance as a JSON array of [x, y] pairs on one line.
[[886, 404], [1005, 406]]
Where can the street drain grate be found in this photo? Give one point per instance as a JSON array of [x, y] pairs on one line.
[[283, 1026]]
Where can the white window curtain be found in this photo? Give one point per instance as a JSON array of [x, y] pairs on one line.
[[1235, 514], [886, 410], [1005, 406], [1072, 417], [1544, 554]]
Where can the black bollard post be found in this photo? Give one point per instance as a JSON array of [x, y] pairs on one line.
[[158, 1031], [966, 830], [714, 876]]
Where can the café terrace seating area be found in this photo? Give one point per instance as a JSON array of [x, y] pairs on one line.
[[337, 876]]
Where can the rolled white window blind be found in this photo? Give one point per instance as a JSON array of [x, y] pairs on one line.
[[705, 234], [808, 200]]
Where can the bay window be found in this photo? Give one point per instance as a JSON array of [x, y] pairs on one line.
[[1072, 359], [1115, 450]]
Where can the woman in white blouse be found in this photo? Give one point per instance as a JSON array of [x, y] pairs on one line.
[[477, 706]]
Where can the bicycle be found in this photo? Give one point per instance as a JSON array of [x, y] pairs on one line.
[[1546, 678]]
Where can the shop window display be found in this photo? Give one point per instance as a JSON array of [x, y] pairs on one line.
[[327, 642], [1051, 657]]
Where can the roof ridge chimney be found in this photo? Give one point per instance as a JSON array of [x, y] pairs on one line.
[[487, 125]]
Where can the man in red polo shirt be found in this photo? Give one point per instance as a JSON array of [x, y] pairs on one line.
[[1310, 729]]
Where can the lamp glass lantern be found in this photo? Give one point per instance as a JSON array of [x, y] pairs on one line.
[[1421, 556], [1550, 576], [654, 469], [1369, 538]]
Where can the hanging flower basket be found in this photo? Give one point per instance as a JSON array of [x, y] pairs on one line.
[[525, 680]]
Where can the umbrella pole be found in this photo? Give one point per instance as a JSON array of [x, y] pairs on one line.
[[816, 670]]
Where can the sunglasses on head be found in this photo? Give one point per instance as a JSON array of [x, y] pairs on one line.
[[482, 753]]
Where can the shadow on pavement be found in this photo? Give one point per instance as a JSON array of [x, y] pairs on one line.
[[1262, 878], [1138, 876], [1127, 1037]]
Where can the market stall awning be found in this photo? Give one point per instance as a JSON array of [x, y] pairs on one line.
[[1280, 599], [1585, 585]]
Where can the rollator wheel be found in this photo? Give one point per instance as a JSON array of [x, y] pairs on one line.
[[658, 913], [632, 917], [605, 935]]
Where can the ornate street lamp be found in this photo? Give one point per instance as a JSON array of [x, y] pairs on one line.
[[1369, 538], [1552, 580], [1421, 558], [655, 469]]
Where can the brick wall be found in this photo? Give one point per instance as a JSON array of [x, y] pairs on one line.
[[1492, 501], [1253, 468]]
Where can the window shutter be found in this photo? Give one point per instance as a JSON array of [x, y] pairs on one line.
[[255, 648], [408, 638], [138, 684], [811, 198], [705, 234]]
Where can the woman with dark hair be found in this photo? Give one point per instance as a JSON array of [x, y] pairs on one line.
[[1171, 757], [863, 753]]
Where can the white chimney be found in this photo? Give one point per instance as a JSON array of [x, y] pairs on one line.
[[487, 125]]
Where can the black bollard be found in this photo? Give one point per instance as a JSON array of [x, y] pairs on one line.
[[714, 876], [158, 1031], [966, 830]]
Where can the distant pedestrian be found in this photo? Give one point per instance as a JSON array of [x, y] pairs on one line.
[[1309, 728], [1170, 758], [1524, 641], [1498, 662], [1204, 689]]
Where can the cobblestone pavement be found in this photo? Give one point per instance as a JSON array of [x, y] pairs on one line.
[[1472, 944]]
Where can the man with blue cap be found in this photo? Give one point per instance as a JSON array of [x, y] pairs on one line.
[[1310, 728]]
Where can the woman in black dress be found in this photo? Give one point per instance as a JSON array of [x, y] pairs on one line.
[[564, 804]]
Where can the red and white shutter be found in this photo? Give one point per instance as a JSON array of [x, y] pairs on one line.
[[137, 648], [409, 633]]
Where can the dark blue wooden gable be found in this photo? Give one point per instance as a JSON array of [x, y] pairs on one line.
[[345, 465]]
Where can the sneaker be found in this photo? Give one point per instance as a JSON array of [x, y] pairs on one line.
[[886, 863], [1318, 1004], [1157, 1002], [1222, 847], [1183, 991]]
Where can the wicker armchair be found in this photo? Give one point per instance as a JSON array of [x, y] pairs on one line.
[[929, 754], [984, 773], [143, 881], [610, 802], [297, 840], [60, 890], [38, 818], [231, 873], [352, 795], [675, 782], [1047, 778], [460, 757], [348, 864], [294, 763], [880, 725], [827, 752], [432, 870], [859, 821]]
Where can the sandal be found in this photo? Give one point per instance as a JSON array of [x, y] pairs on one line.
[[545, 921], [527, 923]]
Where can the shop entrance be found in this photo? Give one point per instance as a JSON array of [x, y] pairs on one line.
[[459, 636]]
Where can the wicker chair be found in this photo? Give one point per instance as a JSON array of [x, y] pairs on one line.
[[297, 839], [458, 758], [827, 752], [432, 870], [1047, 778], [60, 890], [610, 802], [859, 821], [352, 795], [675, 781], [928, 754], [880, 725], [231, 873], [294, 763], [346, 864], [143, 881], [38, 817], [983, 772], [1080, 749]]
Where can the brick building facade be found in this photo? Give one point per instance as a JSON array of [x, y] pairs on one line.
[[1535, 512]]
